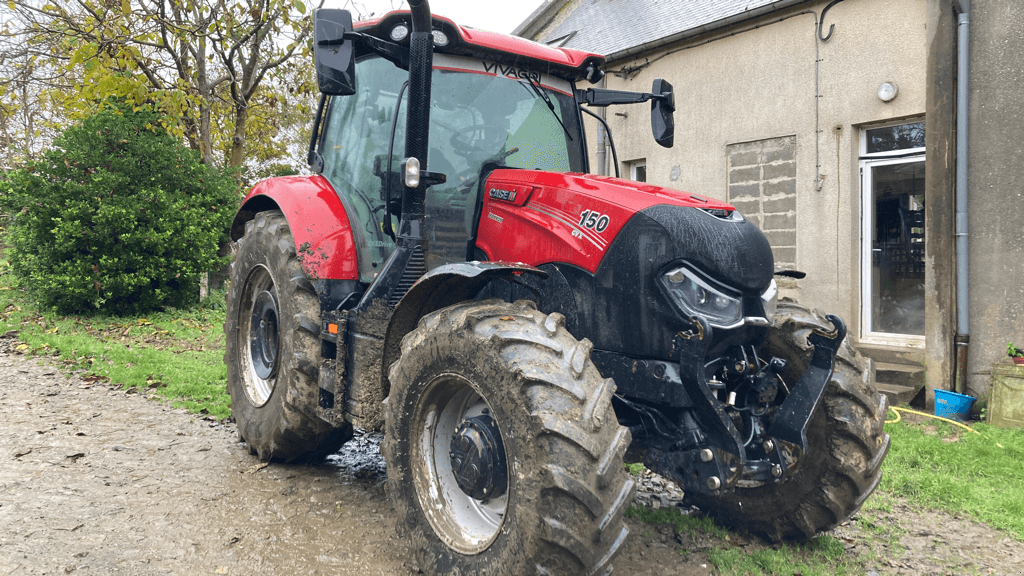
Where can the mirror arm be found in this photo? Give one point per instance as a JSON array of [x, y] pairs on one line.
[[313, 158], [601, 97], [394, 53]]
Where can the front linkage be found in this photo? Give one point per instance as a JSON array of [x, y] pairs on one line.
[[735, 430]]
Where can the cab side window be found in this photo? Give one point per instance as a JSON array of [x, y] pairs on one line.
[[357, 133]]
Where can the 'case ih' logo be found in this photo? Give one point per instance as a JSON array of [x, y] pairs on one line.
[[506, 195]]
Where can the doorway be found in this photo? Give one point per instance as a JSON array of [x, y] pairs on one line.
[[892, 170]]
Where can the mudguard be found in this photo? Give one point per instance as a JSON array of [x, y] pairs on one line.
[[442, 286], [317, 219]]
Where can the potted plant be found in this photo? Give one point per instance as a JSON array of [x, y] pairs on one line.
[[1015, 353]]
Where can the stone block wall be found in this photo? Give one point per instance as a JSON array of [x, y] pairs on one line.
[[762, 186]]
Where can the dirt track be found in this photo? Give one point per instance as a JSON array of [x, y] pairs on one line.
[[97, 481]]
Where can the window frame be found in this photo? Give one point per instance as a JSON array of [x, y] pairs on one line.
[[632, 166], [862, 145]]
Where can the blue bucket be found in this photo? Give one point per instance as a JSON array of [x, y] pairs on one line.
[[952, 405]]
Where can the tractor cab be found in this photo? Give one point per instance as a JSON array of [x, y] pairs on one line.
[[483, 116]]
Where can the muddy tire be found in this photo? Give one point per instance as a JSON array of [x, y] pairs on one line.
[[846, 444], [273, 347], [554, 487]]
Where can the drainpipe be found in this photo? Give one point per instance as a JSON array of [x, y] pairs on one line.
[[963, 329], [602, 139]]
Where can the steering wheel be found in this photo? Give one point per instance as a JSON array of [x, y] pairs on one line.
[[472, 138]]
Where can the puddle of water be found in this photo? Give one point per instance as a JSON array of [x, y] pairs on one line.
[[360, 459]]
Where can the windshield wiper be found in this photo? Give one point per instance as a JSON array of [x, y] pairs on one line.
[[539, 91]]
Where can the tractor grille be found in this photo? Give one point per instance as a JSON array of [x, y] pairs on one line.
[[417, 267]]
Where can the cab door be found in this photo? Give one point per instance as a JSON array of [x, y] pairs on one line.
[[355, 139]]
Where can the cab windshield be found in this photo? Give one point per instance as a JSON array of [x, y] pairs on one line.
[[482, 116], [477, 117]]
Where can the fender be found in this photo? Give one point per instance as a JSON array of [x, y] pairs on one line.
[[317, 219], [442, 286]]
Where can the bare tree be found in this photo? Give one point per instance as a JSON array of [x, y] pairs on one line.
[[194, 58]]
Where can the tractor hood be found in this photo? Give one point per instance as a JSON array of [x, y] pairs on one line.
[[584, 220]]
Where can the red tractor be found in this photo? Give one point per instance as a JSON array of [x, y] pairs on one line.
[[453, 274]]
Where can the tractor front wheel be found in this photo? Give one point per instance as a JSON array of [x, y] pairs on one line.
[[273, 347], [504, 454]]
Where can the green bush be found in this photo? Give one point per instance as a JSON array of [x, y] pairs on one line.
[[117, 216]]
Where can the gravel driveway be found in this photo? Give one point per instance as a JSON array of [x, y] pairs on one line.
[[94, 480]]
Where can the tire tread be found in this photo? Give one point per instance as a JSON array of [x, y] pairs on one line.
[[291, 433], [585, 492]]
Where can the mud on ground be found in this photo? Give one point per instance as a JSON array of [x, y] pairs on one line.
[[95, 480]]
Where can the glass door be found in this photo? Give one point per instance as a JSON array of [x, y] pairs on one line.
[[892, 250]]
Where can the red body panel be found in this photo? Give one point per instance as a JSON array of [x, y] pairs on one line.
[[539, 217], [318, 223]]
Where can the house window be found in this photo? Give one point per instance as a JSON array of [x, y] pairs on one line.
[[892, 168], [637, 170], [762, 186], [892, 140]]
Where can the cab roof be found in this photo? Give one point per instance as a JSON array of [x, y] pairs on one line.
[[566, 63]]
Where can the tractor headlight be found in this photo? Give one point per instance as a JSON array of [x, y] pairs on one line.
[[400, 32], [694, 295], [770, 298], [440, 38]]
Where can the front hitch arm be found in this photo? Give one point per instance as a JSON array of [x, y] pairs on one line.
[[790, 422], [709, 468]]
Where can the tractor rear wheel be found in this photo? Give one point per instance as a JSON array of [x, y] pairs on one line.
[[504, 454], [846, 444], [273, 347]]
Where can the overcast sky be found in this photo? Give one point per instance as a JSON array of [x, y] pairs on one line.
[[484, 14]]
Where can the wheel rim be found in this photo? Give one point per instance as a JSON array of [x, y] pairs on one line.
[[467, 525], [261, 346], [263, 337]]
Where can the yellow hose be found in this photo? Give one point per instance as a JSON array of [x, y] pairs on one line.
[[954, 422], [898, 417], [909, 411]]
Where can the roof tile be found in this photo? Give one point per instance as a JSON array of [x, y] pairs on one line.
[[610, 26]]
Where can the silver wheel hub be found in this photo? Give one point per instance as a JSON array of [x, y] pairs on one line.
[[458, 463]]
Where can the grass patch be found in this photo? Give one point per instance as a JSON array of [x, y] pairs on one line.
[[823, 556], [684, 523], [635, 468], [944, 467], [176, 354]]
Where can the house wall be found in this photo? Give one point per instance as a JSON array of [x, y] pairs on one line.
[[996, 186], [756, 82], [940, 181]]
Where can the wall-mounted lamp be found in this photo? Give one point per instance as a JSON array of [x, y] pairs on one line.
[[887, 91]]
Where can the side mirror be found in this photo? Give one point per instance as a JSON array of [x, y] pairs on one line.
[[335, 62], [662, 107]]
